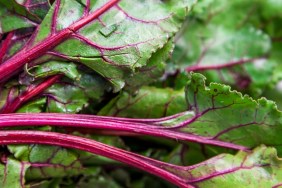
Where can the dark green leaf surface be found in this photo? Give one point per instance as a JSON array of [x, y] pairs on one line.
[[33, 10], [10, 22]]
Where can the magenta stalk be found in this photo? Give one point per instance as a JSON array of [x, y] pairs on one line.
[[97, 122], [50, 138], [28, 54]]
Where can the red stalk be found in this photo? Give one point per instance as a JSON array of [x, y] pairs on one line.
[[96, 122], [5, 45], [32, 91], [199, 67], [28, 54], [152, 166]]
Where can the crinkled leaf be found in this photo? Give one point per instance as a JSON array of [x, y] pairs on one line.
[[37, 7], [228, 115], [114, 48], [260, 168], [218, 49], [68, 95], [154, 70], [9, 93], [13, 42]]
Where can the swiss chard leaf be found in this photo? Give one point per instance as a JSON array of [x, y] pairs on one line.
[[47, 161], [250, 122], [113, 48], [149, 102], [261, 168], [32, 10], [12, 172], [227, 45], [10, 22], [70, 96]]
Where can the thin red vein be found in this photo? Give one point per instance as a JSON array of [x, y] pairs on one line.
[[93, 44], [87, 8], [27, 2], [225, 172], [54, 17], [219, 66], [139, 20], [22, 172]]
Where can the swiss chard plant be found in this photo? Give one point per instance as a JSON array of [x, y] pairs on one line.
[[114, 93]]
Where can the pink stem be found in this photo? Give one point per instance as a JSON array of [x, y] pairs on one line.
[[152, 166], [94, 122], [220, 66], [5, 45], [29, 94], [26, 55]]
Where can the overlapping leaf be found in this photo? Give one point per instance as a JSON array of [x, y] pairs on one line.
[[127, 46], [33, 10], [47, 161], [12, 173], [227, 45], [149, 102], [21, 14], [228, 115], [10, 22], [113, 47], [260, 168], [71, 97]]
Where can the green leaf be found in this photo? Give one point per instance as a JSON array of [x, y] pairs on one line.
[[35, 106], [32, 10], [153, 71], [229, 116], [52, 68], [224, 41], [47, 161], [260, 168], [149, 102], [71, 96], [10, 22], [114, 48], [12, 173]]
